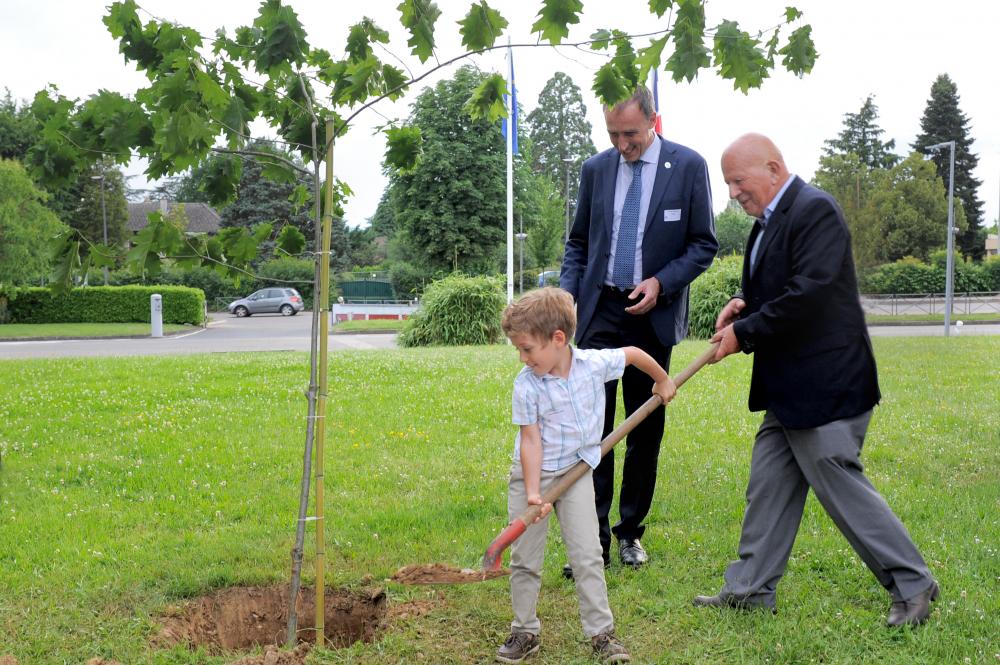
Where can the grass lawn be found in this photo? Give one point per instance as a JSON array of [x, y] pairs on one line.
[[876, 319], [380, 325], [73, 330], [131, 484]]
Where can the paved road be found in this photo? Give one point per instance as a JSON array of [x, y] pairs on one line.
[[225, 334], [267, 332]]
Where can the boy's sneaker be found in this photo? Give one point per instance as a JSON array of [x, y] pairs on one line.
[[609, 649], [518, 647]]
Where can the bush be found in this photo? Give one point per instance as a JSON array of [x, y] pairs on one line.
[[106, 304], [408, 280], [710, 292], [457, 310], [910, 275], [991, 273]]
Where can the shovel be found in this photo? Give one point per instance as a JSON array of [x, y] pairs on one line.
[[444, 574]]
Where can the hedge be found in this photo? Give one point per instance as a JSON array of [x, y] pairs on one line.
[[106, 304]]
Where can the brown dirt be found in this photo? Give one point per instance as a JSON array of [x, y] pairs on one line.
[[440, 573], [274, 656], [96, 661], [8, 660], [248, 617]]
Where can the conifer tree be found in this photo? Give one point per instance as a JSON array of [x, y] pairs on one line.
[[862, 136]]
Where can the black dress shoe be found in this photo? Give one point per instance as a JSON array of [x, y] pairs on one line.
[[567, 570], [733, 603], [631, 552], [913, 611]]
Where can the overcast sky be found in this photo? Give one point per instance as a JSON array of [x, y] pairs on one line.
[[893, 49]]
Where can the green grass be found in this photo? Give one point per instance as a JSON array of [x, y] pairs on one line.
[[380, 325], [75, 330], [129, 484], [877, 319]]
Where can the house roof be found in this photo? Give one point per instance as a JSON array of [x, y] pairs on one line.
[[202, 218]]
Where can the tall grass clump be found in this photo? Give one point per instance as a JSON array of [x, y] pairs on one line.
[[457, 311], [710, 293]]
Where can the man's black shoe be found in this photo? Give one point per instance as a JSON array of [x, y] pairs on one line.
[[631, 552], [567, 570], [913, 611], [733, 603]]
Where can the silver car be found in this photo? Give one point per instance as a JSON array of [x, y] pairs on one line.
[[284, 301]]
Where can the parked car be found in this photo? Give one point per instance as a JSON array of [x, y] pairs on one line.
[[549, 278], [284, 301]]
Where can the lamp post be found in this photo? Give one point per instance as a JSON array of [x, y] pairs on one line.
[[521, 235], [950, 260], [104, 217], [567, 161]]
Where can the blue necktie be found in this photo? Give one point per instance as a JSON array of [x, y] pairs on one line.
[[623, 272]]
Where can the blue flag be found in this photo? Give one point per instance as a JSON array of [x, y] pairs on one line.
[[513, 105]]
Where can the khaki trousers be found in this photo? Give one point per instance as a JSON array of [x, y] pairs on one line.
[[578, 524]]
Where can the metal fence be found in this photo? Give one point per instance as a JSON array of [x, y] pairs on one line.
[[931, 303]]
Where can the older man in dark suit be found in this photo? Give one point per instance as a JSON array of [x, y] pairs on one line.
[[814, 377], [643, 231]]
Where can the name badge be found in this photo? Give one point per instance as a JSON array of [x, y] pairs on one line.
[[672, 215]]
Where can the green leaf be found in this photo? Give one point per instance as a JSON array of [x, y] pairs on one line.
[[103, 256], [394, 81], [600, 40], [555, 17], [362, 79], [277, 171], [419, 16], [65, 260], [487, 100], [649, 57], [688, 34], [236, 121], [403, 146], [481, 27], [660, 7], [192, 253], [739, 57], [791, 14], [290, 240], [360, 38], [160, 238], [800, 52], [122, 18], [262, 231], [212, 94], [221, 179], [299, 196], [282, 39], [610, 86]]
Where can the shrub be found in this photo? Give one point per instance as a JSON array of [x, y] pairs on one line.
[[457, 310], [106, 304], [710, 292], [991, 273], [408, 280], [907, 275]]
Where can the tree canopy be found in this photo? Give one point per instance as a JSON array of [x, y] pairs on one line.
[[861, 135], [943, 121], [26, 227]]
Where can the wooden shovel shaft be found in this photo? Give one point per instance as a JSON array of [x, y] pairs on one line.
[[491, 560]]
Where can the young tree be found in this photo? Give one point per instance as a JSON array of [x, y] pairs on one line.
[[944, 121], [26, 227], [862, 136], [559, 131]]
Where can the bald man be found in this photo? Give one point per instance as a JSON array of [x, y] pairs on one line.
[[814, 378]]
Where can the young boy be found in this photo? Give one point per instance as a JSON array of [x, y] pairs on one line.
[[558, 403]]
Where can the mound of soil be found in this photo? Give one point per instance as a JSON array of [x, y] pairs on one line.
[[439, 573], [274, 656], [8, 660], [247, 617]]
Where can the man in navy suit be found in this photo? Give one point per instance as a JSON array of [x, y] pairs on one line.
[[814, 377], [643, 231]]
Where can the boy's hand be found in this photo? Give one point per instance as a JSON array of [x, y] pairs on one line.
[[536, 500], [665, 389]]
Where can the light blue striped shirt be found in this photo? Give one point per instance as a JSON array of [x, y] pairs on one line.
[[569, 412]]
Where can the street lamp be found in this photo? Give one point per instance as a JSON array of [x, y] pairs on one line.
[[104, 216], [950, 260], [567, 161]]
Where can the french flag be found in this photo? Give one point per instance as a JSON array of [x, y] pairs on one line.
[[656, 104]]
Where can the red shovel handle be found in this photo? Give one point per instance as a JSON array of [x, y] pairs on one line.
[[492, 558]]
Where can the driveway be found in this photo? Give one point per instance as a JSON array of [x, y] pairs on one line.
[[225, 334]]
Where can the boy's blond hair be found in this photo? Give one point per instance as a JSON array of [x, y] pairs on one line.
[[541, 313]]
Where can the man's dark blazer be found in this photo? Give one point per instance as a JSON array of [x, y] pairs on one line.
[[678, 242], [813, 360]]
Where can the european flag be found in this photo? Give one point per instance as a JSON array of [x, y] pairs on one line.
[[513, 99]]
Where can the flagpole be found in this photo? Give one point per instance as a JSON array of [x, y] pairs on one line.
[[511, 128]]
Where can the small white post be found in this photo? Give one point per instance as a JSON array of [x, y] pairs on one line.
[[156, 314]]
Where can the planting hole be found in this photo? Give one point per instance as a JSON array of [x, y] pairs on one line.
[[247, 617]]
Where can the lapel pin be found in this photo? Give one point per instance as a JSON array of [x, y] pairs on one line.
[[666, 165]]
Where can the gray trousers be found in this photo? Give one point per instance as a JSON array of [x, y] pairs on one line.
[[784, 465], [578, 523]]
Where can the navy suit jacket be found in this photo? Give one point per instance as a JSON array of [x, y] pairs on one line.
[[813, 361], [678, 242]]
